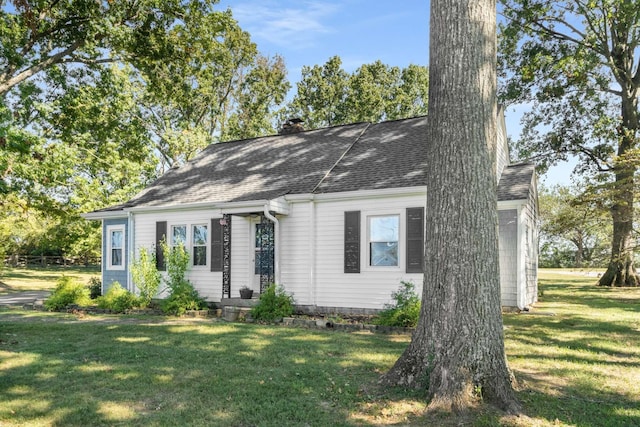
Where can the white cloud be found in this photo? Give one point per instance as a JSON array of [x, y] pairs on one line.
[[294, 25]]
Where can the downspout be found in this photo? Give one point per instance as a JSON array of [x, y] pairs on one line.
[[312, 253], [521, 259], [131, 251], [103, 252], [276, 232]]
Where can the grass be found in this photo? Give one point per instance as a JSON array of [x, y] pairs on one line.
[[576, 357], [41, 279]]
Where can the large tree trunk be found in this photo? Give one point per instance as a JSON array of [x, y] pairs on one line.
[[621, 271], [457, 350]]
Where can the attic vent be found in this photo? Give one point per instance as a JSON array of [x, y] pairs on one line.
[[293, 125]]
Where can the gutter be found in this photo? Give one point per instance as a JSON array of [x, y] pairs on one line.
[[276, 238]]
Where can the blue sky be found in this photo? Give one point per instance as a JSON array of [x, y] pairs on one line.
[[309, 32]]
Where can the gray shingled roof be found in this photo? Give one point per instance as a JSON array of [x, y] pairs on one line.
[[388, 155], [515, 181], [254, 169], [343, 158]]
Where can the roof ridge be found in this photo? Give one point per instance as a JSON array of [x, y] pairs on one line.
[[368, 124]]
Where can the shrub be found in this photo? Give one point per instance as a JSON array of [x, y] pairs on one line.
[[183, 297], [95, 287], [274, 304], [405, 310], [118, 299], [67, 292], [182, 294], [146, 276]]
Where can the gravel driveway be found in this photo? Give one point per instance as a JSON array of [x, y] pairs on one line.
[[22, 298]]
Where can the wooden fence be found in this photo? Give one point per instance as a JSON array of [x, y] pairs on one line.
[[48, 261]]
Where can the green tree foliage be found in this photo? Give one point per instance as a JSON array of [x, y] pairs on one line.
[[576, 64], [37, 35], [328, 96], [51, 44], [97, 99], [146, 276], [25, 230], [574, 228], [223, 89], [257, 97]]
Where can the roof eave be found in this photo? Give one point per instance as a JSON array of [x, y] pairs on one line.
[[100, 215], [278, 205]]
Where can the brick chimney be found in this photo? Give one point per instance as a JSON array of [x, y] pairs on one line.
[[293, 125]]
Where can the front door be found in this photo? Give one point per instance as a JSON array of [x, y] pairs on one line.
[[262, 254]]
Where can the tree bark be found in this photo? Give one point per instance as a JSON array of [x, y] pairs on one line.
[[457, 350], [621, 271]]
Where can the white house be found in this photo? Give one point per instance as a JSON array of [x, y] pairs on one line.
[[335, 215]]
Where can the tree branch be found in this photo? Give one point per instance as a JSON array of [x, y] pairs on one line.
[[7, 84], [579, 150], [74, 59]]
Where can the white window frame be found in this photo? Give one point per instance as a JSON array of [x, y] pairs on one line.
[[192, 245], [188, 242], [110, 230], [366, 242]]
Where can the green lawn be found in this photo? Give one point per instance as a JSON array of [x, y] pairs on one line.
[[41, 279], [576, 357]]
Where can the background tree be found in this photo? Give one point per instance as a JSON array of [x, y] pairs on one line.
[[321, 95], [328, 96], [576, 64], [574, 229], [97, 99], [222, 90], [57, 41], [258, 96], [457, 348]]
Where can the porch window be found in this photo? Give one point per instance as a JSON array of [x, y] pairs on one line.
[[115, 250], [199, 244], [384, 234]]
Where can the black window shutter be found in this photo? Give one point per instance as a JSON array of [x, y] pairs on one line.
[[216, 245], [352, 242], [161, 236], [415, 240]]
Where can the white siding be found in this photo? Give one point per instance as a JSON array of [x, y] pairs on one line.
[[311, 245], [295, 247], [531, 250], [508, 250], [241, 259], [207, 283], [371, 288]]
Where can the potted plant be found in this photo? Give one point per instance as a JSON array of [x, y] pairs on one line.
[[246, 293]]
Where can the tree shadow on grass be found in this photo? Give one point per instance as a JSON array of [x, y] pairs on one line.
[[88, 373], [573, 365], [4, 287], [152, 371], [591, 296]]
